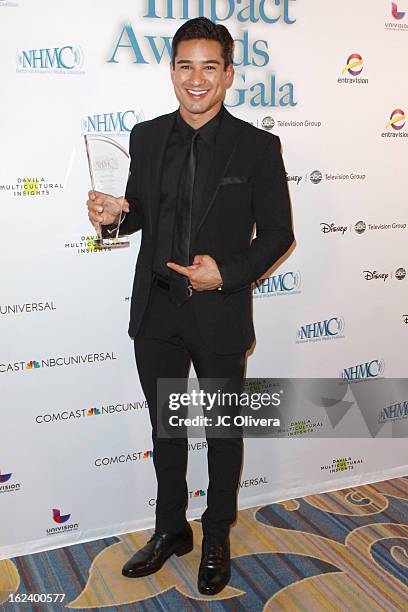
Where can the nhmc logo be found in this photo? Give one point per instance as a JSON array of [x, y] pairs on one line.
[[120, 122], [56, 58], [369, 369], [394, 412], [286, 283], [329, 328]]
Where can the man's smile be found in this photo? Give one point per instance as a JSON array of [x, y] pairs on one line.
[[197, 94]]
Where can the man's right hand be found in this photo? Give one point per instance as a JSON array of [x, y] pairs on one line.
[[104, 209]]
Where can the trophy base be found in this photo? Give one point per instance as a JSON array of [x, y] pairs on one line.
[[111, 243]]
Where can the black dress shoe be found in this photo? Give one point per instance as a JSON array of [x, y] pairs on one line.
[[215, 570], [158, 549]]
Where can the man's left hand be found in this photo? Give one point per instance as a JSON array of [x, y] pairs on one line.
[[203, 274]]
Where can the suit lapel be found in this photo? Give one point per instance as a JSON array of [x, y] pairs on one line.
[[226, 143], [157, 151]]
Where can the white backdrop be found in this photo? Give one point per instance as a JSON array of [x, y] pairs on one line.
[[75, 454]]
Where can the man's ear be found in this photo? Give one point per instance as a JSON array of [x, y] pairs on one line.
[[171, 70], [229, 75]]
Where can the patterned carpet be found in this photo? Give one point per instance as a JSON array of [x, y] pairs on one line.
[[345, 550]]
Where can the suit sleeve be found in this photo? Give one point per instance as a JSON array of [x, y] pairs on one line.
[[133, 220], [272, 212]]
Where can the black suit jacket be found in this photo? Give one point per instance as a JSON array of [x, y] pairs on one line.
[[247, 186]]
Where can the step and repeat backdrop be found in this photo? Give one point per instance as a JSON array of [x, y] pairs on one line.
[[328, 79]]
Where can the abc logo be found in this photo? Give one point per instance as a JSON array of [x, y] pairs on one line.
[[360, 227], [268, 123]]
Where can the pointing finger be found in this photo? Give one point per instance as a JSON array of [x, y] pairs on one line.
[[180, 269]]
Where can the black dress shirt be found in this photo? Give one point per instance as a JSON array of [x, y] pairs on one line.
[[177, 148]]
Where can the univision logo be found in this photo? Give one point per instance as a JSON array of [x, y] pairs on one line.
[[4, 477], [61, 519], [321, 330], [58, 517], [395, 12], [8, 488], [61, 59], [398, 16], [280, 284], [369, 369]]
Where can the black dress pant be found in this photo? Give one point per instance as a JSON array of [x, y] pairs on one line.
[[168, 341]]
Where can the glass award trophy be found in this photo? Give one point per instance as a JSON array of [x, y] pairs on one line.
[[109, 171]]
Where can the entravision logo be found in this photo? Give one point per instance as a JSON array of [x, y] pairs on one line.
[[369, 369], [395, 125], [56, 60], [354, 67], [329, 329], [119, 123], [287, 283]]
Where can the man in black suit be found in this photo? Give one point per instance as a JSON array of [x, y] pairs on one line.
[[200, 179]]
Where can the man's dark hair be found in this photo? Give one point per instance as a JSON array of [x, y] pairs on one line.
[[201, 27]]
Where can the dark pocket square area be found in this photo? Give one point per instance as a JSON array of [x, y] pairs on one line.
[[234, 180]]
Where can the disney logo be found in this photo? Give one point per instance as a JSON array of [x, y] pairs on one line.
[[374, 275], [330, 227]]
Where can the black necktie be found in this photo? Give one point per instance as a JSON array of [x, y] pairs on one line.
[[180, 254]]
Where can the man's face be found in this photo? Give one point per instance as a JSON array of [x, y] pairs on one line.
[[199, 79]]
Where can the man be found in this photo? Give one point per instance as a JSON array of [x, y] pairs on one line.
[[199, 181]]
